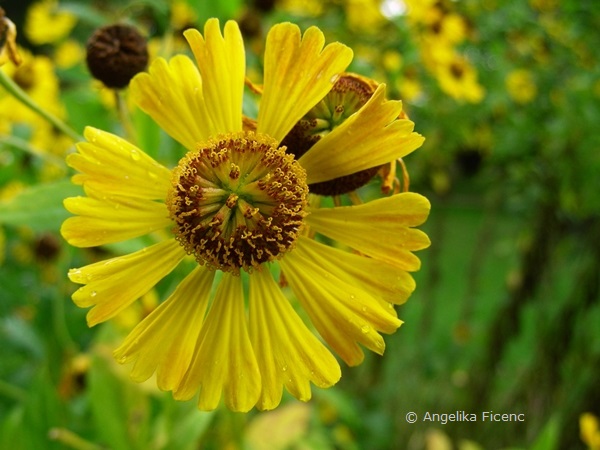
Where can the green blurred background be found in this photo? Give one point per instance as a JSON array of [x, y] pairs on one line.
[[506, 315]]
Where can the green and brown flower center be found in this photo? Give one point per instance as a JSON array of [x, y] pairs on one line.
[[349, 93], [238, 201]]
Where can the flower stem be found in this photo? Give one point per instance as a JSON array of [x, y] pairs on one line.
[[71, 440], [7, 83]]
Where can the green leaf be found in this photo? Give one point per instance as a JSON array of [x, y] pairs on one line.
[[39, 207], [548, 437]]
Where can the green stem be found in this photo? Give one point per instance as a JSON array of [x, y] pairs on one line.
[[124, 117], [10, 391], [21, 95], [71, 440], [23, 145]]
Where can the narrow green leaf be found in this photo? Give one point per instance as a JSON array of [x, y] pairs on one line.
[[39, 207]]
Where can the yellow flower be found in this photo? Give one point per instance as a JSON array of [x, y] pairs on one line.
[[68, 54], [590, 430], [521, 86], [364, 15], [46, 24], [237, 202], [459, 80]]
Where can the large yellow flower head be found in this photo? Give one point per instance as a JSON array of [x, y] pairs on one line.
[[238, 203]]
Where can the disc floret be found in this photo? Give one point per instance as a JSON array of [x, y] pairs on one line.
[[238, 201]]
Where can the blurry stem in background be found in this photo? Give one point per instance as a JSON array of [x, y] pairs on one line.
[[23, 145], [14, 90], [60, 326], [124, 116], [506, 326], [13, 392], [555, 340], [476, 264], [431, 282], [71, 440]]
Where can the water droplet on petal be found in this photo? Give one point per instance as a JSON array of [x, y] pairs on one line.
[[284, 368], [135, 155], [365, 329], [93, 294]]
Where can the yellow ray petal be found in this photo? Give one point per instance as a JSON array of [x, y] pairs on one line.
[[106, 219], [371, 137], [171, 93], [288, 353], [342, 312], [298, 74], [112, 285], [164, 341], [223, 361], [382, 280], [113, 166], [379, 228], [222, 63]]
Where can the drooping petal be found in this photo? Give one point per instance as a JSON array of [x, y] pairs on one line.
[[299, 72], [165, 340], [379, 228], [288, 353], [223, 362], [372, 136], [222, 63], [103, 219], [112, 285], [113, 166], [171, 93], [384, 281], [343, 313]]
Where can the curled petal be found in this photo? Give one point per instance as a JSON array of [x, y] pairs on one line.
[[111, 165], [112, 285], [171, 93], [222, 63], [106, 219], [343, 313], [380, 228], [372, 136], [299, 72], [165, 340], [223, 362], [288, 353]]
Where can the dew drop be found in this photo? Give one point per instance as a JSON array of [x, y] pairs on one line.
[[365, 329], [122, 360], [135, 155], [93, 294], [352, 296], [284, 368], [334, 78]]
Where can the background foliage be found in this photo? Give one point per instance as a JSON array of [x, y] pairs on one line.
[[506, 314]]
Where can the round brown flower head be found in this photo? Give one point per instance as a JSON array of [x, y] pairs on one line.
[[115, 53], [349, 93]]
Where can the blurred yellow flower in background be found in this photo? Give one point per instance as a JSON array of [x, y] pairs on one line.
[[459, 80], [589, 428], [238, 202], [45, 23], [521, 86]]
